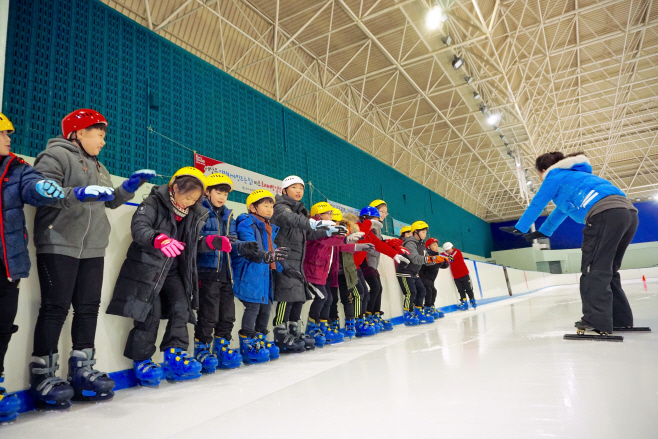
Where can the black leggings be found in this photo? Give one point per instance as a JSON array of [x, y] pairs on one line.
[[319, 305], [141, 340], [414, 292], [67, 281], [430, 291], [216, 311], [333, 309], [8, 308], [375, 286], [464, 286], [287, 312]]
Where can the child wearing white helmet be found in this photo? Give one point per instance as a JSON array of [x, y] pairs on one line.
[[461, 275]]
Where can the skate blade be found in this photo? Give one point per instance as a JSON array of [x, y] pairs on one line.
[[61, 406], [96, 399], [593, 337], [229, 366], [631, 329]]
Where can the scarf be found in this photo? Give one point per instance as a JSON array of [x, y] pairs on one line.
[[180, 211], [268, 231]]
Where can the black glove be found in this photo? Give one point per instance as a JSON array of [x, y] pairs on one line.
[[534, 235], [293, 274], [249, 248], [513, 230], [275, 255], [232, 238]]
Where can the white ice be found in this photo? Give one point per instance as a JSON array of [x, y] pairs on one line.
[[502, 371]]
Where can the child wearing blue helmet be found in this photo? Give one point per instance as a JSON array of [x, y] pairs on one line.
[[610, 221]]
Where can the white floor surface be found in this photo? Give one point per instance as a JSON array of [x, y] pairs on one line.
[[502, 371]]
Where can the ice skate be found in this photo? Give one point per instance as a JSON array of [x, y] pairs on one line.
[[295, 331], [333, 336], [286, 342], [88, 384], [409, 319], [148, 373], [272, 348], [202, 354], [252, 351], [178, 366], [227, 357], [50, 392], [423, 318], [9, 405], [313, 330]]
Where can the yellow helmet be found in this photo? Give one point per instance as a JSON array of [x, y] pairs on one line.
[[192, 172], [337, 215], [216, 179], [259, 194], [5, 124], [419, 225], [377, 203], [320, 207], [405, 229]]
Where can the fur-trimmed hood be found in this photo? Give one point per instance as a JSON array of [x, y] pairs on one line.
[[350, 221], [577, 163]]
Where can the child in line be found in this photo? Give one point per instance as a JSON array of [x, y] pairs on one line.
[[253, 285], [296, 226], [428, 274], [71, 236], [405, 232], [317, 263], [461, 275], [20, 184], [216, 300], [407, 273], [159, 276]]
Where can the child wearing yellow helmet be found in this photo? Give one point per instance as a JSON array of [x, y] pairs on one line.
[[162, 262], [405, 232]]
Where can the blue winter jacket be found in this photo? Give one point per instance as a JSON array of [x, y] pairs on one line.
[[574, 190], [211, 261], [17, 187], [252, 279]]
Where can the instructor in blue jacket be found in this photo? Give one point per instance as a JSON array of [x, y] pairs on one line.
[[610, 221]]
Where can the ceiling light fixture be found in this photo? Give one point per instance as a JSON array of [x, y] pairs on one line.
[[476, 95], [502, 137], [493, 119], [457, 63], [468, 79], [447, 40], [435, 17]]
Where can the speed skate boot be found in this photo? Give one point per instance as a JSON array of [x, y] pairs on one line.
[[9, 405], [203, 355], [286, 342], [409, 318], [88, 384], [178, 366], [295, 330], [463, 305], [269, 345], [252, 351], [313, 330], [583, 325], [364, 329], [422, 317], [227, 357], [386, 324], [148, 373], [474, 304], [50, 392], [333, 336]]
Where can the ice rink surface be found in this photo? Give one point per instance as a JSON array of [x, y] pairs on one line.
[[502, 371]]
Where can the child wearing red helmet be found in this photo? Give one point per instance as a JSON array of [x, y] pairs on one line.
[[71, 236]]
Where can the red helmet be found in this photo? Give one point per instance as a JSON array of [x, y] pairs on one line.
[[79, 120], [430, 242]]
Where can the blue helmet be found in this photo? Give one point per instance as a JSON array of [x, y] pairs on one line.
[[369, 211]]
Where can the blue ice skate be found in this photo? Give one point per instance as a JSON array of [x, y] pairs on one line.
[[463, 305], [434, 312], [227, 357], [88, 384], [423, 318], [474, 304], [148, 373], [350, 328], [202, 354], [313, 330], [332, 335], [9, 405], [178, 366], [363, 328], [252, 351], [273, 349], [386, 324], [409, 319]]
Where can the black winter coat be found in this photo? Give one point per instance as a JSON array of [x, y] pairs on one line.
[[432, 271], [145, 269], [295, 228]]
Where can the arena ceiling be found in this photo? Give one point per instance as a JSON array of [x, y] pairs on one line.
[[569, 75]]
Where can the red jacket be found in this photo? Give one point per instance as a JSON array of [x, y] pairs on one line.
[[370, 238], [457, 265]]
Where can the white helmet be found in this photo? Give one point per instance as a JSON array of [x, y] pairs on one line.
[[290, 180], [447, 246]]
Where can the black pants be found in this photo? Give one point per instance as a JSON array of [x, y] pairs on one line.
[[606, 237], [287, 312], [8, 308], [216, 311], [141, 340], [430, 291], [351, 298], [67, 281], [375, 287], [414, 292], [464, 286], [255, 318], [365, 294], [333, 309], [319, 305]]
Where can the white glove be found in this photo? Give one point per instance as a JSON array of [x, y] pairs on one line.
[[376, 224], [354, 237], [315, 224], [399, 259]]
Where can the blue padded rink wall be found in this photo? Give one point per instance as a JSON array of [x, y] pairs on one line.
[[501, 371]]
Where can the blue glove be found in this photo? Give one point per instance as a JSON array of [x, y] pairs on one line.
[[137, 179], [49, 189], [101, 193]]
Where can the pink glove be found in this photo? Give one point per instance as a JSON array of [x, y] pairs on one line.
[[221, 243], [170, 247]]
